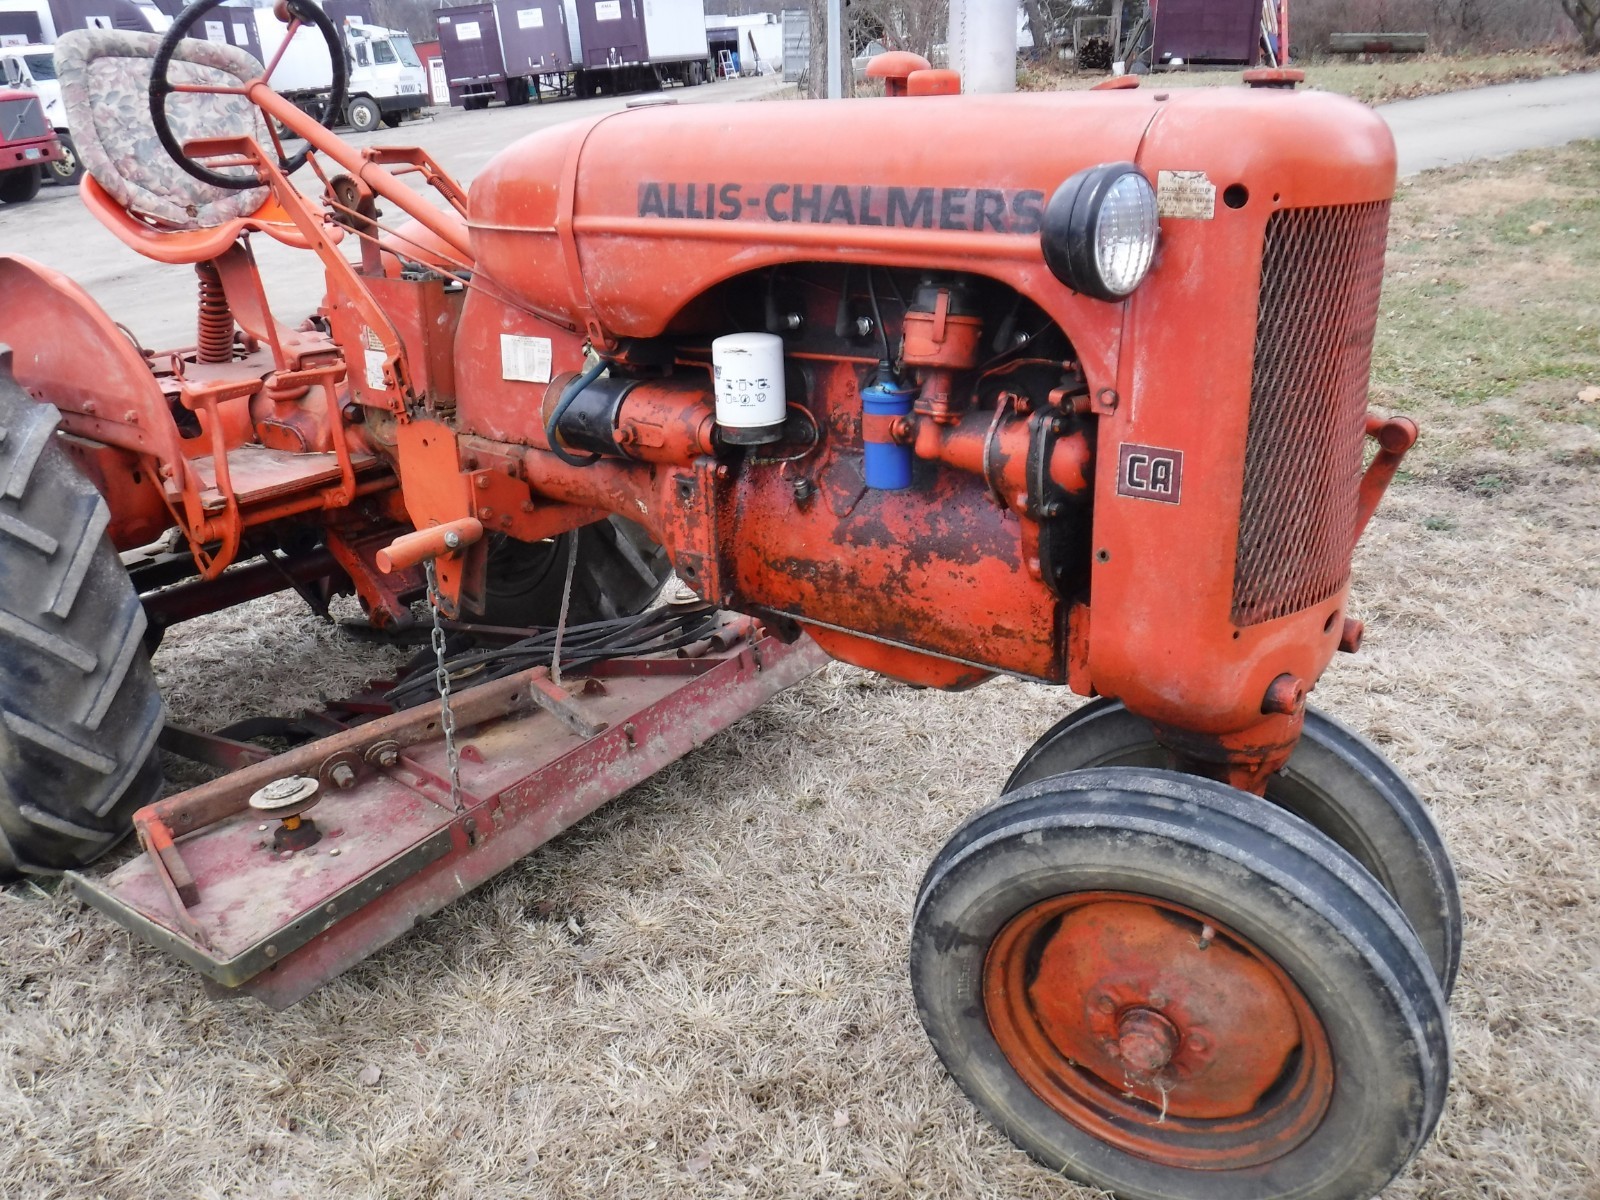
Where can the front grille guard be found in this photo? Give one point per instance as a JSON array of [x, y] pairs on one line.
[[1321, 274]]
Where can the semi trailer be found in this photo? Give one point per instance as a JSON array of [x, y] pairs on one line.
[[504, 50], [638, 45], [40, 22]]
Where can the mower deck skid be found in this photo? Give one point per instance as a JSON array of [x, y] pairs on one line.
[[213, 889]]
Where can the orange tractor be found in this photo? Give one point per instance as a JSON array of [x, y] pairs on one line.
[[1067, 387]]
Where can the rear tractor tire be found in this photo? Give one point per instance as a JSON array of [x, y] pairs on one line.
[[79, 708], [618, 574]]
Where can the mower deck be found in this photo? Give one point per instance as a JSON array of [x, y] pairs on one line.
[[212, 889]]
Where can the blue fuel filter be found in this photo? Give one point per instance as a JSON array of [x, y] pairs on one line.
[[888, 464]]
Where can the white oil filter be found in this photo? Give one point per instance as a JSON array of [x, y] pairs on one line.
[[747, 369]]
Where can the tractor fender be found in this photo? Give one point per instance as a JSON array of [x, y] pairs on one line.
[[66, 351]]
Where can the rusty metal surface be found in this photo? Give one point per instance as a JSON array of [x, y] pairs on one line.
[[1395, 437], [392, 847], [1157, 1030], [420, 397]]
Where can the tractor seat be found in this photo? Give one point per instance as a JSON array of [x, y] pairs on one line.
[[105, 85]]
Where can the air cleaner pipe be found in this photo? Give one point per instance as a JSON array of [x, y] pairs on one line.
[[653, 420], [998, 452]]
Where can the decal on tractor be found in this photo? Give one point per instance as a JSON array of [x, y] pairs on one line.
[[963, 209], [525, 359], [1150, 473], [1185, 195]]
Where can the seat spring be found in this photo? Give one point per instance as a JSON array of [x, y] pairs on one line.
[[214, 343]]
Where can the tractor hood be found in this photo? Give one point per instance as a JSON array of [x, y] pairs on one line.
[[618, 223]]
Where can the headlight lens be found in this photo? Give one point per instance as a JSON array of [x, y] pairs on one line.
[[1125, 233], [1099, 231]]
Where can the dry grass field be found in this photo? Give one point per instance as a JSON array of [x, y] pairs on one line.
[[700, 992], [1375, 82]]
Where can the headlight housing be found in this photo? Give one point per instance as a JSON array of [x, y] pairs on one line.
[[1099, 230]]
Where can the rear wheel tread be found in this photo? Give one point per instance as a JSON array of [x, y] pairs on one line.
[[36, 433], [77, 568], [38, 539], [81, 711]]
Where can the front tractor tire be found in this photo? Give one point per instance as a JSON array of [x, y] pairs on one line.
[[79, 708], [1164, 987], [1336, 780]]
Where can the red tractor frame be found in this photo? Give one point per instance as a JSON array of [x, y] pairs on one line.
[[1068, 387]]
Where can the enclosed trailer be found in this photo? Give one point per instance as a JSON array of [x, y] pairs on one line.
[[502, 49], [634, 45], [1208, 32], [351, 12], [40, 22]]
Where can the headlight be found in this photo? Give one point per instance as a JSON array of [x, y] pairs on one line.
[[1099, 230]]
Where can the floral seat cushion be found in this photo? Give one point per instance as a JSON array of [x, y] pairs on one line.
[[105, 84]]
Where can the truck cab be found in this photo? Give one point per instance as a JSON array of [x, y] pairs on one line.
[[27, 145], [33, 68], [387, 80]]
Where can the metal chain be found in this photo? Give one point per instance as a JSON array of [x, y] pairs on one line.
[[441, 680]]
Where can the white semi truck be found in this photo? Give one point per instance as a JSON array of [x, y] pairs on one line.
[[33, 68], [387, 82]]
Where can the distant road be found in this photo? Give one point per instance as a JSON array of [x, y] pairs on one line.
[[1492, 122]]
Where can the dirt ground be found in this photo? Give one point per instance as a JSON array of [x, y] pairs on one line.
[[701, 991]]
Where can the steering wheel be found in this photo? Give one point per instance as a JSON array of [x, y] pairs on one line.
[[297, 13]]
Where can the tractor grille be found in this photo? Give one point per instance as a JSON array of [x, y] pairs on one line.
[[21, 119], [1321, 272]]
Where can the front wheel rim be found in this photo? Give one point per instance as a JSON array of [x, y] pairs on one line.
[[1157, 1030]]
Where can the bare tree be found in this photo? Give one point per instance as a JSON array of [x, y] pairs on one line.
[[914, 25], [817, 71], [1038, 27], [1585, 16]]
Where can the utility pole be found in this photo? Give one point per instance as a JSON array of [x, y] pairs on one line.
[[956, 38], [989, 58]]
